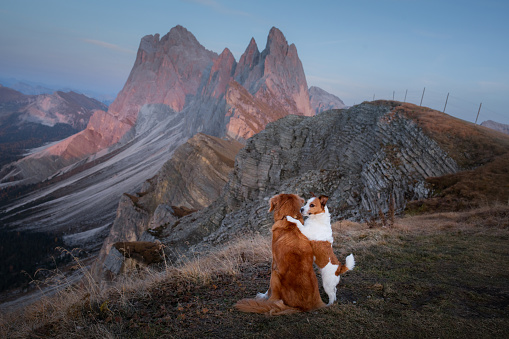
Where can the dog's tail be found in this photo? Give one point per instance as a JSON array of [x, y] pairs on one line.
[[349, 265], [271, 307]]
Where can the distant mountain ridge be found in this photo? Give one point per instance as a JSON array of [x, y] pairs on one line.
[[29, 121], [177, 71], [496, 126], [177, 88], [323, 101], [35, 88]]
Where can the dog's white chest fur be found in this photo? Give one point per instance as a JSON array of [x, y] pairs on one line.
[[317, 227]]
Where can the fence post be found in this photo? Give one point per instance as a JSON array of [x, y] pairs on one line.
[[393, 95], [478, 113], [422, 95], [446, 102], [405, 95]]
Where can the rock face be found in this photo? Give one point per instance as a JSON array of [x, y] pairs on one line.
[[496, 126], [218, 96], [323, 101], [166, 71], [176, 89], [266, 86], [191, 180], [362, 158]]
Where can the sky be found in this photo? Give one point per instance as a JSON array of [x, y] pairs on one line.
[[411, 50]]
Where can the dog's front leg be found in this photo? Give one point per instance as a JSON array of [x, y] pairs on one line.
[[295, 221]]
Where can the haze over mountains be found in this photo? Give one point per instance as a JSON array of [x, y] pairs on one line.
[[176, 89], [29, 121]]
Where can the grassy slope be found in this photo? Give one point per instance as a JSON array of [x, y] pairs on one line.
[[436, 275], [482, 153]]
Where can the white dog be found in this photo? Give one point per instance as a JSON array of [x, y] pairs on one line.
[[317, 228]]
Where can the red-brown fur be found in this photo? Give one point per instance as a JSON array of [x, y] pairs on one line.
[[323, 253], [293, 283]]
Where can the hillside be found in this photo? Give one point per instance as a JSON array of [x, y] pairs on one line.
[[436, 275], [31, 121], [371, 159], [438, 270]]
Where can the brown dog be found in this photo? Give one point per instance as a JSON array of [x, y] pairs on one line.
[[293, 283]]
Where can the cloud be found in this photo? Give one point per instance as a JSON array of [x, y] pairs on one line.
[[219, 7], [109, 46]]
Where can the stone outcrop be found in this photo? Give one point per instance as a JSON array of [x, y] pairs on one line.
[[130, 256], [195, 175], [190, 181], [323, 101], [362, 158]]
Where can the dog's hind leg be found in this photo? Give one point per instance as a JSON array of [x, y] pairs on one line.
[[329, 281]]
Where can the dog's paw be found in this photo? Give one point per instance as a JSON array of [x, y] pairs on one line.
[[290, 219], [262, 295]]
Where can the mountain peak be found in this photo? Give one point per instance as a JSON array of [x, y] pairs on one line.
[[248, 61], [276, 39], [179, 35]]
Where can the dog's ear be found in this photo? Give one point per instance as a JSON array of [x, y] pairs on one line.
[[312, 194], [323, 199], [302, 201], [273, 202]]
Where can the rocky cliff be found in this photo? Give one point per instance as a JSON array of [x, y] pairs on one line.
[[190, 181], [218, 96], [364, 158]]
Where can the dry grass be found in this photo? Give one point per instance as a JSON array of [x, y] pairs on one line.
[[73, 306], [469, 144], [228, 260], [432, 275], [481, 153]]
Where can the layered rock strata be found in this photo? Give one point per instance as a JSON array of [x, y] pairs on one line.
[[362, 158]]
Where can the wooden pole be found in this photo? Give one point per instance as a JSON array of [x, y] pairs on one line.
[[446, 102], [424, 90], [373, 96], [478, 113], [393, 94], [405, 95]]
